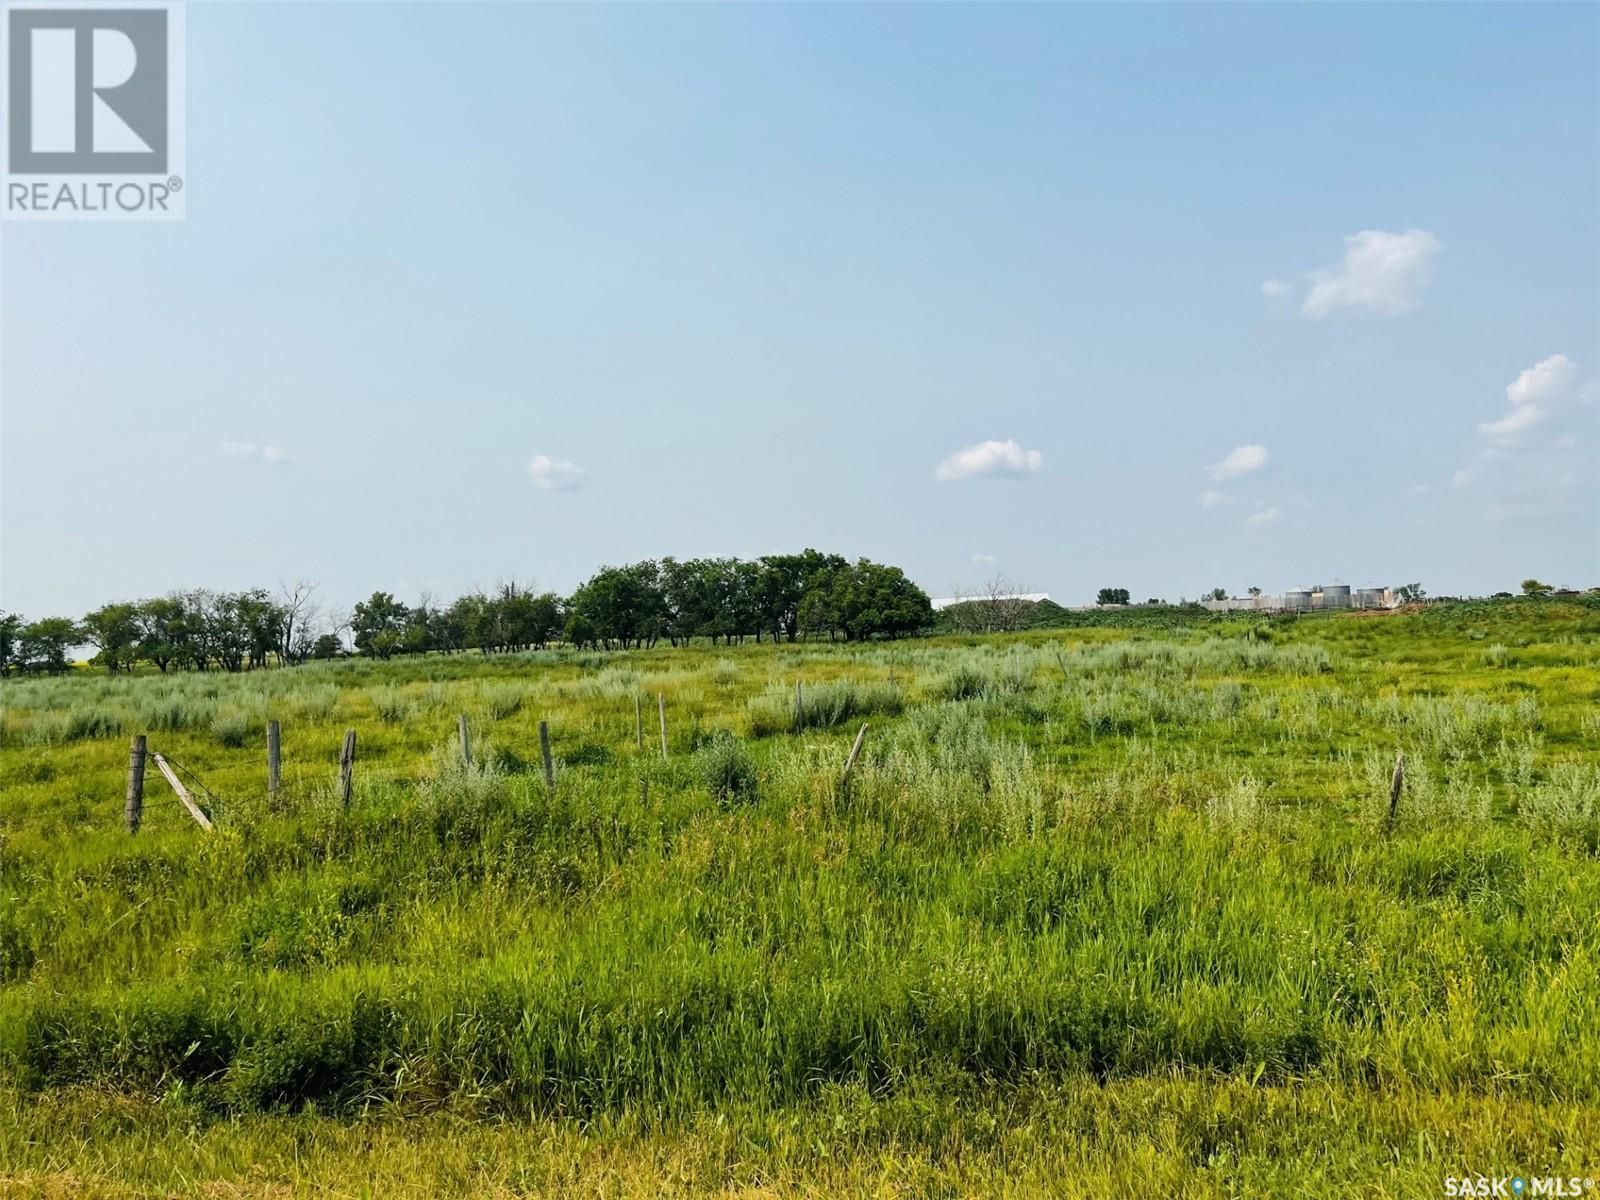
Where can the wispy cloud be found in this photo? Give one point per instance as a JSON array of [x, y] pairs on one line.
[[989, 458], [1211, 498], [249, 451], [1381, 273], [555, 475], [1546, 380], [1513, 422], [1536, 458], [1533, 394], [1274, 289], [1265, 517], [983, 560], [1241, 460]]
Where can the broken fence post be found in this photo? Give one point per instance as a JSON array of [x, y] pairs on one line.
[[544, 753], [855, 751], [274, 760], [347, 767], [1395, 787], [195, 810], [133, 803]]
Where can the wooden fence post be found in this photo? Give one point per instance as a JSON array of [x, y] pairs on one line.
[[638, 721], [661, 707], [347, 767], [854, 752], [133, 803], [274, 760], [1395, 787], [187, 800], [799, 706], [466, 741], [544, 753]]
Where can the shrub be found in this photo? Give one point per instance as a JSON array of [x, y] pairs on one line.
[[727, 768], [231, 727], [823, 705]]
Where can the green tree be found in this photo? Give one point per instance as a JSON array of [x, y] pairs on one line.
[[580, 631], [624, 605], [378, 625], [782, 586], [1532, 587], [1112, 596], [865, 600], [114, 630], [10, 635], [162, 630], [42, 645]]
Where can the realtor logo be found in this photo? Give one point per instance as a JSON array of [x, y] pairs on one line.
[[94, 111]]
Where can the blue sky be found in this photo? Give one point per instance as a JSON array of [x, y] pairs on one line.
[[516, 291]]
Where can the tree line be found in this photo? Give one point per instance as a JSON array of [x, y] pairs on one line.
[[781, 596]]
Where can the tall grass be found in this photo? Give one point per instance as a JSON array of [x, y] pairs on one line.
[[1158, 868]]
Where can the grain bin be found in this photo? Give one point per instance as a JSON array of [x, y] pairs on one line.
[[1336, 595], [1297, 599], [1371, 597]]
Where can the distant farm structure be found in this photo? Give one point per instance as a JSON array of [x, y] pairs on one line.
[[1309, 599], [944, 602]]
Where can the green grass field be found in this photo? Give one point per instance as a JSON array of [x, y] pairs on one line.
[[1109, 910]]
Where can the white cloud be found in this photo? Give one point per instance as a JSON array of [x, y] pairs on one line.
[[1513, 422], [1272, 289], [1214, 499], [1544, 381], [252, 452], [983, 560], [1382, 273], [1241, 460], [555, 475], [1416, 491], [1264, 517], [1533, 394], [1461, 478], [989, 458]]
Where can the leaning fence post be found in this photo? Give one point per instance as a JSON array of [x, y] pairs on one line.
[[661, 707], [466, 741], [347, 767], [854, 752], [133, 804], [544, 753], [274, 760], [1395, 786], [184, 797]]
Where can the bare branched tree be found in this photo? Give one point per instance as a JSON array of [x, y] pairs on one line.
[[1002, 600], [302, 620], [995, 607]]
